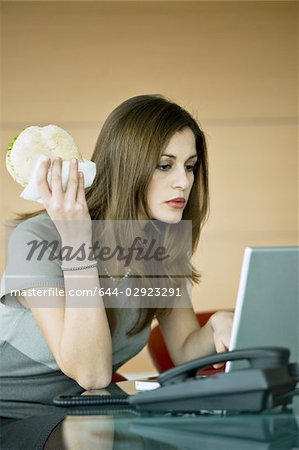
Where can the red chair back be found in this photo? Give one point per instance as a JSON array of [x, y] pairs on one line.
[[116, 377]]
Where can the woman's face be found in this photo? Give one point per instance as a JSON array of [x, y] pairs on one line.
[[173, 178]]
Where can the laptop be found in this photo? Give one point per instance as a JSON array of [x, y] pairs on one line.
[[267, 307]]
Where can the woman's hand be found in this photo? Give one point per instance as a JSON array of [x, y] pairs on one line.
[[68, 209], [221, 323]]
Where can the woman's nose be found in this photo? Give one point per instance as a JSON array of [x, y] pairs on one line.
[[181, 179]]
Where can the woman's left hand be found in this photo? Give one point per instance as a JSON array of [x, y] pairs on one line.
[[221, 323]]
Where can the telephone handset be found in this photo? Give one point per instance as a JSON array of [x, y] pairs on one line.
[[258, 358], [265, 384]]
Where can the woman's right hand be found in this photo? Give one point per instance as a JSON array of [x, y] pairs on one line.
[[68, 209]]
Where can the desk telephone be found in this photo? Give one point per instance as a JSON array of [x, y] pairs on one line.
[[269, 381]]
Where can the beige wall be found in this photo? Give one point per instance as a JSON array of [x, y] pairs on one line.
[[232, 64]]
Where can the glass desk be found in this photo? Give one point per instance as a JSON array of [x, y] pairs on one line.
[[88, 428]]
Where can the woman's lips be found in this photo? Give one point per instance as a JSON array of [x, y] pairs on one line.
[[176, 203]]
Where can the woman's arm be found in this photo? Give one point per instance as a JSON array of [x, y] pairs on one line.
[[186, 340], [78, 335], [77, 328]]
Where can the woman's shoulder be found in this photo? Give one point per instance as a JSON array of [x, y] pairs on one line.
[[40, 221], [40, 226]]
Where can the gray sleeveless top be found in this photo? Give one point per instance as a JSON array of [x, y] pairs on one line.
[[29, 373]]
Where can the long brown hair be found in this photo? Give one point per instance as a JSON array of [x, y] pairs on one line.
[[126, 154]]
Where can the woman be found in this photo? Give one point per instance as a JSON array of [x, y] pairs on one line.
[[151, 165]]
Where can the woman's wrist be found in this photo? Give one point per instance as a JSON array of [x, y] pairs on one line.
[[77, 240], [77, 254], [80, 246]]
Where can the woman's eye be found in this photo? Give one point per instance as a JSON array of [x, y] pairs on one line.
[[190, 168], [164, 167]]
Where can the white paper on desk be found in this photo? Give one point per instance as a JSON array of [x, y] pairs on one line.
[[87, 167], [144, 385]]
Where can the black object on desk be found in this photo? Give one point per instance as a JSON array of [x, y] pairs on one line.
[[268, 382]]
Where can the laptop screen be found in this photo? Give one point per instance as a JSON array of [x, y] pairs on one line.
[[267, 308]]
